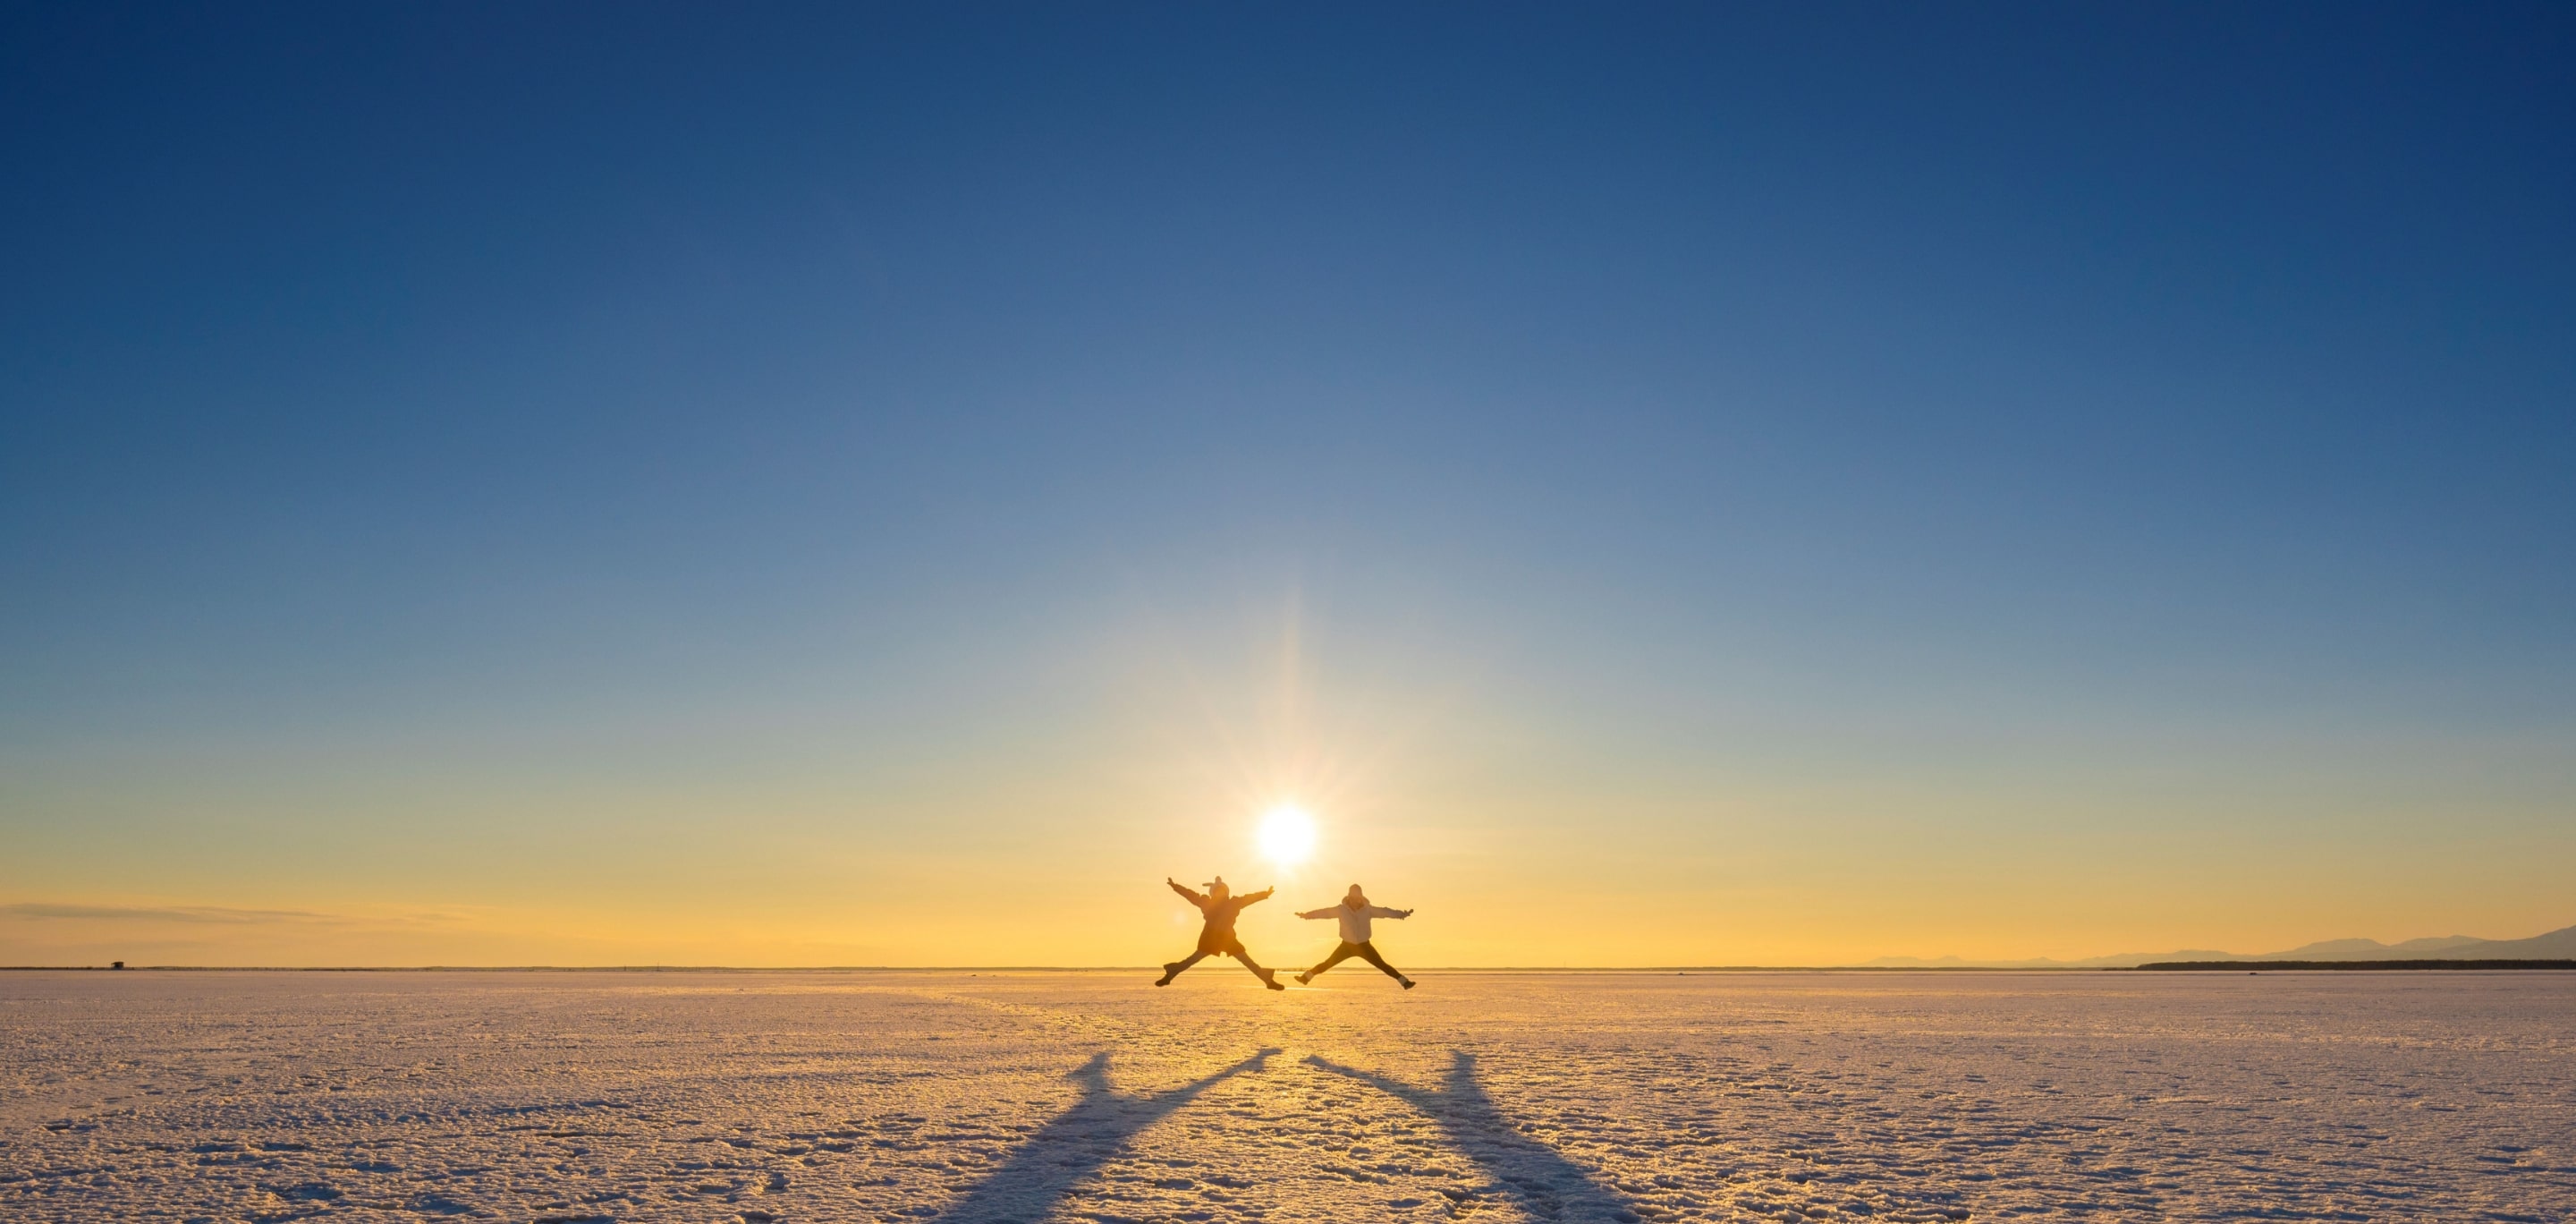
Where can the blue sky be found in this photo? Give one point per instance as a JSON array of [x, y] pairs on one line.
[[2065, 426]]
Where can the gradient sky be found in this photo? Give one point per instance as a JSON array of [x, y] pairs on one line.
[[1665, 485]]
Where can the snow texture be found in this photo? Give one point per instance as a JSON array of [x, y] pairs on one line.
[[918, 1097]]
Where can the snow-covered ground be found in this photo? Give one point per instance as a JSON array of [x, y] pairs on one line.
[[1092, 1096]]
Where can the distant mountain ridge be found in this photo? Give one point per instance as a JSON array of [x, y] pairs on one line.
[[2556, 945]]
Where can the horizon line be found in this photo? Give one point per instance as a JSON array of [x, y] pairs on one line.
[[2278, 966], [1008, 968]]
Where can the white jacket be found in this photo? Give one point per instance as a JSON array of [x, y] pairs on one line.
[[1355, 922]]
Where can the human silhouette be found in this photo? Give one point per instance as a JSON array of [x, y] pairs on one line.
[[1044, 1170], [1355, 913], [1218, 935], [1549, 1186]]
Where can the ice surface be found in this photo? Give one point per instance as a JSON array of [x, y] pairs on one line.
[[1083, 1096]]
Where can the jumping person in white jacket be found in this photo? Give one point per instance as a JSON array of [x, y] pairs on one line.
[[1355, 912]]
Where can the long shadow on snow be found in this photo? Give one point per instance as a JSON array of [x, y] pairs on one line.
[[1549, 1185], [1078, 1141]]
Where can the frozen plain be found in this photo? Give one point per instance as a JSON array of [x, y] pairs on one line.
[[915, 1097]]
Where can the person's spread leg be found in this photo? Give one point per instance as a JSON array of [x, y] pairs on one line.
[[1339, 955], [1368, 952], [1268, 978], [1175, 968]]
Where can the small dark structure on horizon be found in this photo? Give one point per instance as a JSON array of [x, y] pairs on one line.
[[116, 964], [2372, 966]]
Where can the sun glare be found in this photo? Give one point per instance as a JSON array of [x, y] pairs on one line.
[[1287, 835]]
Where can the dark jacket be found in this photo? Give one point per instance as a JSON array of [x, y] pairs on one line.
[[1218, 935]]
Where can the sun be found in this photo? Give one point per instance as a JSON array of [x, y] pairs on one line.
[[1287, 835]]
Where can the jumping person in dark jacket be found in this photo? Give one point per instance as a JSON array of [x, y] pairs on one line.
[[1218, 936], [1355, 912]]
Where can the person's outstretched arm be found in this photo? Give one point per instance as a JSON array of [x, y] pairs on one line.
[[1325, 912], [1380, 911], [1182, 889], [1263, 895]]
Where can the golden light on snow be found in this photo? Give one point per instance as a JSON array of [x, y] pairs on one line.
[[1287, 835]]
